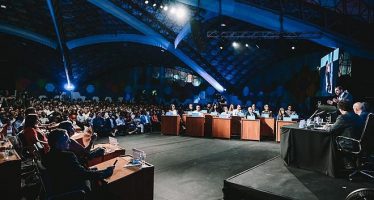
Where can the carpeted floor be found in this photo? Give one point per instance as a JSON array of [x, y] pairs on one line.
[[195, 168]]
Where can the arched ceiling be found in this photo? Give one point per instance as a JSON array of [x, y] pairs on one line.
[[99, 39]]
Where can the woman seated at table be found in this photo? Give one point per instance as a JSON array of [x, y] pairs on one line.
[[267, 111], [32, 134], [250, 113], [214, 109], [282, 114], [173, 110]]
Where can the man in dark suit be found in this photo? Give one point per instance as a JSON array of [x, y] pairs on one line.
[[63, 168], [341, 94], [348, 124]]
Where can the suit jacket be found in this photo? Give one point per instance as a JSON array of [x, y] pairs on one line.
[[348, 125], [66, 173], [345, 96]]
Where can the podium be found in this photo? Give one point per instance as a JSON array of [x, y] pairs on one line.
[[250, 129], [170, 125]]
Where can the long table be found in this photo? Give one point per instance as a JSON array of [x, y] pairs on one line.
[[127, 182], [279, 125], [309, 149]]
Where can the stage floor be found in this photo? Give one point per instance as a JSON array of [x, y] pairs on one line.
[[273, 180]]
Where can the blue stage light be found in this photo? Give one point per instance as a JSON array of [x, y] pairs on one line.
[[69, 87]]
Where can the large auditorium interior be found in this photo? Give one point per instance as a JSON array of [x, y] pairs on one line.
[[186, 99]]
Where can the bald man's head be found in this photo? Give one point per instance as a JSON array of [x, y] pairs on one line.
[[358, 107]]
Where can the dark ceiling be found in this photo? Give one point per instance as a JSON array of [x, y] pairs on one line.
[[79, 18]]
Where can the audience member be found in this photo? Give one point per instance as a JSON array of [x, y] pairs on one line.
[[63, 168], [32, 134]]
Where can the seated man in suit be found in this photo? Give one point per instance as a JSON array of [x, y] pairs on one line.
[[348, 124], [63, 168]]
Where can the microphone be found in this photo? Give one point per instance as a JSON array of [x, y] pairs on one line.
[[315, 112]]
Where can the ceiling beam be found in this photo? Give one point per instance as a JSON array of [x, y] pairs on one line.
[[164, 43], [29, 35], [270, 20]]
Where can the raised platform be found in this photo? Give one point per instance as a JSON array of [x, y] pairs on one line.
[[273, 180]]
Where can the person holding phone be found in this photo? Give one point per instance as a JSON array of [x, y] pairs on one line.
[[63, 168]]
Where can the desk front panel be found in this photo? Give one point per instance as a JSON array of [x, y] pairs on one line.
[[221, 127], [250, 129], [195, 126], [279, 125], [170, 125]]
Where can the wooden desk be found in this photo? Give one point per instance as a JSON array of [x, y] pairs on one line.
[[279, 125], [267, 127], [236, 125], [250, 129], [170, 125], [195, 126], [82, 137], [111, 151], [131, 183], [10, 172], [221, 127]]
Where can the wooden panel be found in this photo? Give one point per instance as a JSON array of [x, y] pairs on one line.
[[250, 129], [127, 182], [170, 125], [221, 128], [195, 126], [279, 124], [267, 127]]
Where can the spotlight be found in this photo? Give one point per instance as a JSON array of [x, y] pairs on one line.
[[181, 13], [235, 45], [223, 25], [221, 47], [247, 45], [166, 8], [154, 5], [293, 47], [161, 6], [172, 10], [146, 2], [69, 87]]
